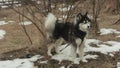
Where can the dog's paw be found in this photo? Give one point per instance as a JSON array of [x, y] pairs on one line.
[[49, 54], [76, 61]]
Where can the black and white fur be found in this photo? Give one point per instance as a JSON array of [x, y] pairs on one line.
[[74, 33]]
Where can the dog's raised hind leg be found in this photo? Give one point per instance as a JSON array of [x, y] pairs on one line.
[[57, 44], [50, 47]]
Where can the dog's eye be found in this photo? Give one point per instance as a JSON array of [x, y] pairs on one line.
[[84, 22]]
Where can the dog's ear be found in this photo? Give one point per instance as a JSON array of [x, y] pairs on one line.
[[79, 15]]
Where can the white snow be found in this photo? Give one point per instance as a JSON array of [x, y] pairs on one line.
[[105, 31], [64, 16], [44, 62], [62, 67], [66, 8], [16, 3], [69, 52], [4, 6], [11, 21], [112, 55], [25, 23], [118, 36], [118, 64], [103, 48], [3, 23], [20, 63], [2, 33]]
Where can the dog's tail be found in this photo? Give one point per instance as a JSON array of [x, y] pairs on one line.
[[50, 24]]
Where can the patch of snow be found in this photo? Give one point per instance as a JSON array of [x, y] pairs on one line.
[[89, 57], [52, 6], [11, 21], [105, 31], [2, 33], [118, 36], [77, 60], [62, 67], [64, 16], [17, 5], [66, 8], [20, 63], [3, 23], [63, 9], [4, 6], [103, 48], [112, 55], [118, 64], [44, 62], [26, 23]]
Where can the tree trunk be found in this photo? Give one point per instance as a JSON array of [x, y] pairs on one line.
[[96, 11]]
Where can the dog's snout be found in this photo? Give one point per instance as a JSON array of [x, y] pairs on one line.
[[88, 26]]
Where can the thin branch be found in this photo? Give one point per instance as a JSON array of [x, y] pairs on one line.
[[68, 13], [33, 14], [117, 22], [71, 12], [30, 20], [24, 28]]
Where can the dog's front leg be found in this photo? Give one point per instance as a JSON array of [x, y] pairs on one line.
[[81, 52], [80, 48], [78, 42]]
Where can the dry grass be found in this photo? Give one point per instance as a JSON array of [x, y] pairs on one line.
[[15, 37]]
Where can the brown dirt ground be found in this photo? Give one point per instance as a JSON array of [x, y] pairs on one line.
[[16, 44]]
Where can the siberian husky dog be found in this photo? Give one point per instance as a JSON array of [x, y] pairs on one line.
[[73, 33]]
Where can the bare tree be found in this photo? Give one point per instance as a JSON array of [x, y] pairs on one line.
[[97, 6]]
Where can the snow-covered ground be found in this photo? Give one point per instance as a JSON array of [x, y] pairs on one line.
[[67, 54], [4, 22], [118, 36], [107, 48], [5, 3], [20, 63], [2, 33], [118, 64], [105, 31], [25, 23]]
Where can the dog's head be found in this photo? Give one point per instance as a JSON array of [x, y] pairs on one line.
[[83, 22]]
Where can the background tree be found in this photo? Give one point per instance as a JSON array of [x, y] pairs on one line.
[[96, 10]]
